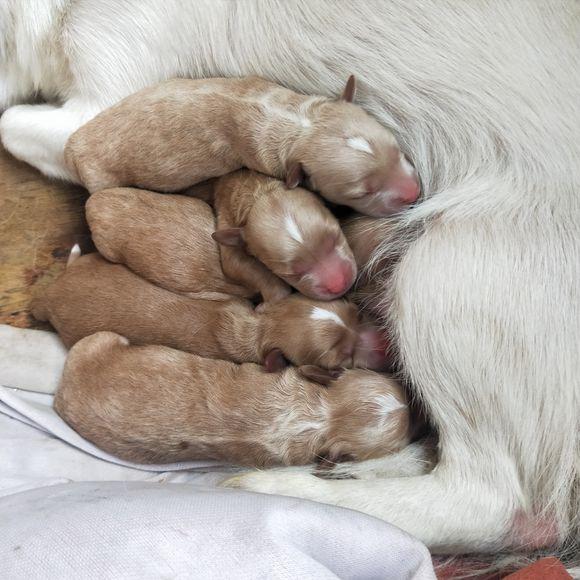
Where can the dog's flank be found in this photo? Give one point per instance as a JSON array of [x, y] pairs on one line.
[[152, 404]]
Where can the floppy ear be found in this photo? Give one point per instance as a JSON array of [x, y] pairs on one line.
[[275, 361], [319, 375], [295, 175], [349, 90], [230, 237]]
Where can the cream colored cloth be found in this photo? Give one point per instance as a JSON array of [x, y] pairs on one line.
[[30, 359]]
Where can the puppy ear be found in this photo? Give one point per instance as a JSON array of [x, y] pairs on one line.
[[295, 175], [349, 90], [275, 361], [230, 237], [319, 375]]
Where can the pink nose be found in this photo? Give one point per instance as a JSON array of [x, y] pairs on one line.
[[372, 349], [407, 189], [336, 283], [334, 276]]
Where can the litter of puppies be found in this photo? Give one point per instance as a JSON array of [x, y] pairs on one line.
[[170, 359]]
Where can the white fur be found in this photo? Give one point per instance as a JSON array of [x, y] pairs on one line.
[[407, 167], [484, 304], [74, 254], [292, 229], [323, 314], [387, 404], [359, 144]]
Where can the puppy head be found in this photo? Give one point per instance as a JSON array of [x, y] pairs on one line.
[[353, 160], [326, 334], [369, 417], [297, 238], [312, 332]]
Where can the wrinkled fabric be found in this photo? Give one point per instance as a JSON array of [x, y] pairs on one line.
[[139, 530], [30, 359], [69, 511]]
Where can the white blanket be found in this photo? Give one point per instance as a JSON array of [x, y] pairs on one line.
[[69, 510]]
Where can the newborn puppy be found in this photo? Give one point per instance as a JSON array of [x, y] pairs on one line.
[[337, 336], [267, 231], [181, 132], [94, 295], [364, 235], [164, 238], [153, 404]]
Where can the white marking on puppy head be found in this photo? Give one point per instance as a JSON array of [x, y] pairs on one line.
[[359, 144], [292, 229], [323, 314], [305, 122], [407, 167], [74, 254], [387, 404]]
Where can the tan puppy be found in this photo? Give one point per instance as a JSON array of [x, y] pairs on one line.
[[94, 295], [181, 132], [164, 238], [167, 239], [153, 404], [291, 234]]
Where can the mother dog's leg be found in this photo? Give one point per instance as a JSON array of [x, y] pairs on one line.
[[439, 509], [474, 307], [37, 134]]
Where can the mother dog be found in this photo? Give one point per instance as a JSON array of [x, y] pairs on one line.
[[484, 303]]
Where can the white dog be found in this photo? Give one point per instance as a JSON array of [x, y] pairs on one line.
[[484, 302]]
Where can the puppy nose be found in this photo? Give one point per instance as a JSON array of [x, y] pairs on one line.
[[338, 276], [372, 349], [407, 190], [336, 283]]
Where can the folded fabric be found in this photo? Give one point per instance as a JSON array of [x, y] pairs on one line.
[[35, 409], [137, 530]]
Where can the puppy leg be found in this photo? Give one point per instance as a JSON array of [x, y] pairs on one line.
[[37, 134], [442, 509], [251, 273]]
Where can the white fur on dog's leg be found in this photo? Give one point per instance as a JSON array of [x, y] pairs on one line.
[[37, 135], [447, 515]]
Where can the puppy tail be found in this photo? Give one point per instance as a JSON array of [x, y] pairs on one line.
[[74, 254]]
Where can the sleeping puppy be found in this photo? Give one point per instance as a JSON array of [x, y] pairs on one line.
[[94, 295], [153, 404], [181, 132]]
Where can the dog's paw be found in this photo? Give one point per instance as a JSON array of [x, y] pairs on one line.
[[301, 485]]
